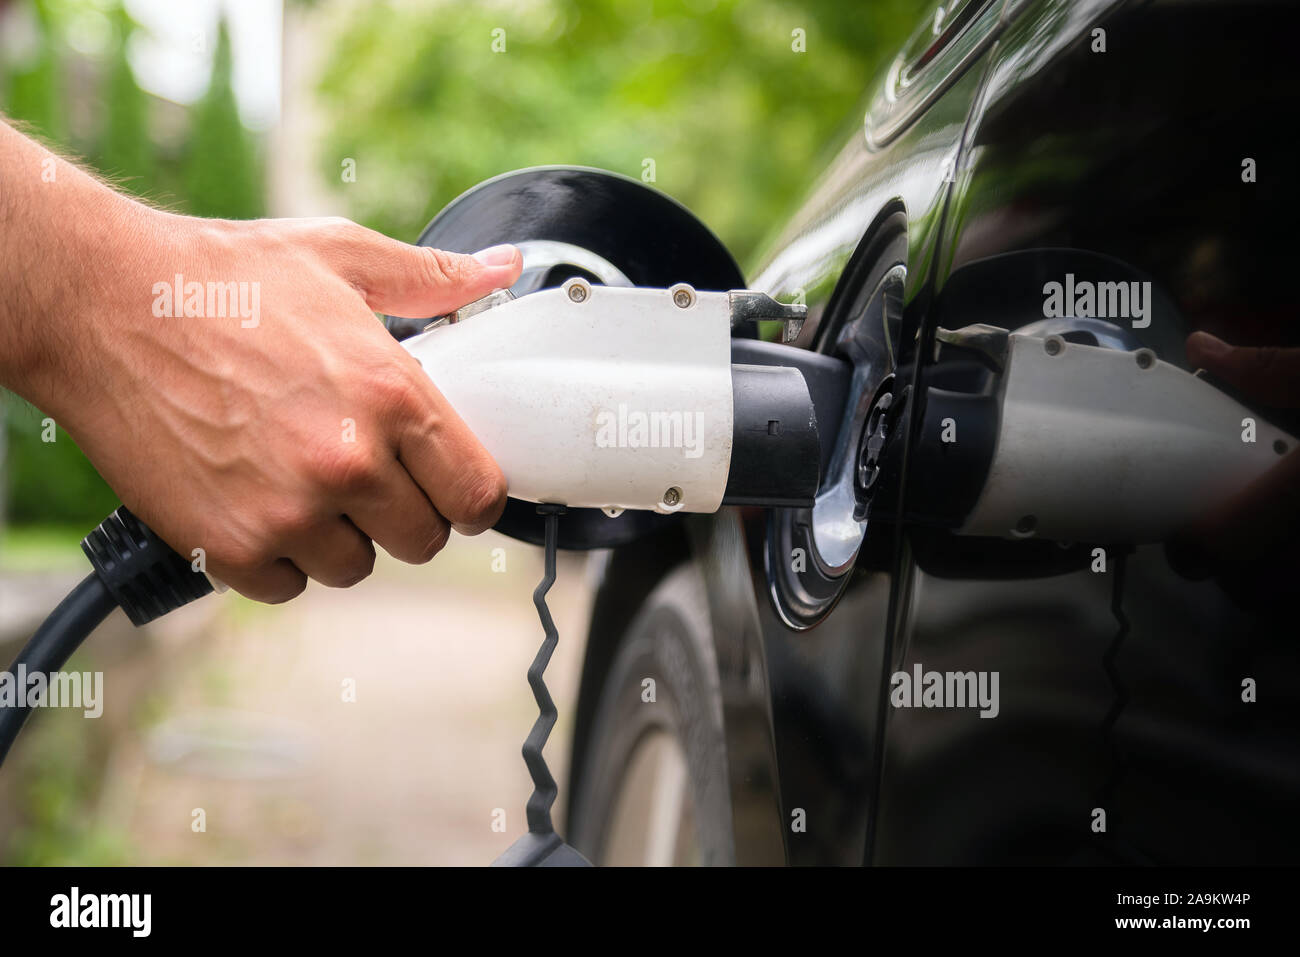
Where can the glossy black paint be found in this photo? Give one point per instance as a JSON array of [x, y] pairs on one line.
[[1120, 690]]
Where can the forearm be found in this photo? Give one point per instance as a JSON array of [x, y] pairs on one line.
[[69, 247]]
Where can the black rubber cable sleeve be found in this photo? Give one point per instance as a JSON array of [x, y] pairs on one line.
[[55, 640]]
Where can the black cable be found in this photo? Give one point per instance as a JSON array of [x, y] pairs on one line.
[[541, 846], [134, 569], [53, 644], [544, 789]]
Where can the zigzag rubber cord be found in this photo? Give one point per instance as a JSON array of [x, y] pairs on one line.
[[544, 789], [1123, 850], [1110, 666]]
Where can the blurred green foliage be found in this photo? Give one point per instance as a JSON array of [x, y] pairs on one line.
[[35, 91], [222, 175], [214, 170], [713, 92], [124, 148], [50, 481], [57, 778]]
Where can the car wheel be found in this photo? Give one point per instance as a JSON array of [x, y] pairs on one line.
[[655, 788]]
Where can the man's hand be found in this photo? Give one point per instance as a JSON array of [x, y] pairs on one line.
[[281, 437]]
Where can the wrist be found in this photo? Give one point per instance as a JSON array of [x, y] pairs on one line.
[[88, 278]]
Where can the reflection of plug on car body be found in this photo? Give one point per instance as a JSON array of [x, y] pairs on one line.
[[1092, 443]]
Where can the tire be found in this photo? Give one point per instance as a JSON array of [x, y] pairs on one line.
[[655, 789]]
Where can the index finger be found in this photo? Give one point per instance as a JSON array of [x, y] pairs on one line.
[[456, 472]]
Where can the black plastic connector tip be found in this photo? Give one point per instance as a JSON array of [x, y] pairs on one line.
[[142, 573], [775, 448]]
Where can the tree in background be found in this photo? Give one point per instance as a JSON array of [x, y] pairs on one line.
[[125, 151], [730, 104], [222, 175], [32, 87]]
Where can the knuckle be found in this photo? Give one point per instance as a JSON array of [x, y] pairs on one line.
[[284, 525], [347, 467], [439, 267], [394, 390], [434, 542], [291, 589], [241, 555], [273, 583], [484, 498], [362, 570], [352, 571], [339, 244]]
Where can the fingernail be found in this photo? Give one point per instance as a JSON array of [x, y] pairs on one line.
[[1208, 345], [502, 255]]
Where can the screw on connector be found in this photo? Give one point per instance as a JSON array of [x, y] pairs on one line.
[[578, 289], [673, 497], [683, 296]]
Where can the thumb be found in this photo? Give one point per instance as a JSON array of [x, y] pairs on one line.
[[416, 282], [1267, 374]]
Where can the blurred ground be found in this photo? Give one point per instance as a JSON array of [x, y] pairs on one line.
[[238, 709]]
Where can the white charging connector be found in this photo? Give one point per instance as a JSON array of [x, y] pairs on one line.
[[606, 397]]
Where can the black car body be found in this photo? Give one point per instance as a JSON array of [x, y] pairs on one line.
[[1011, 143]]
